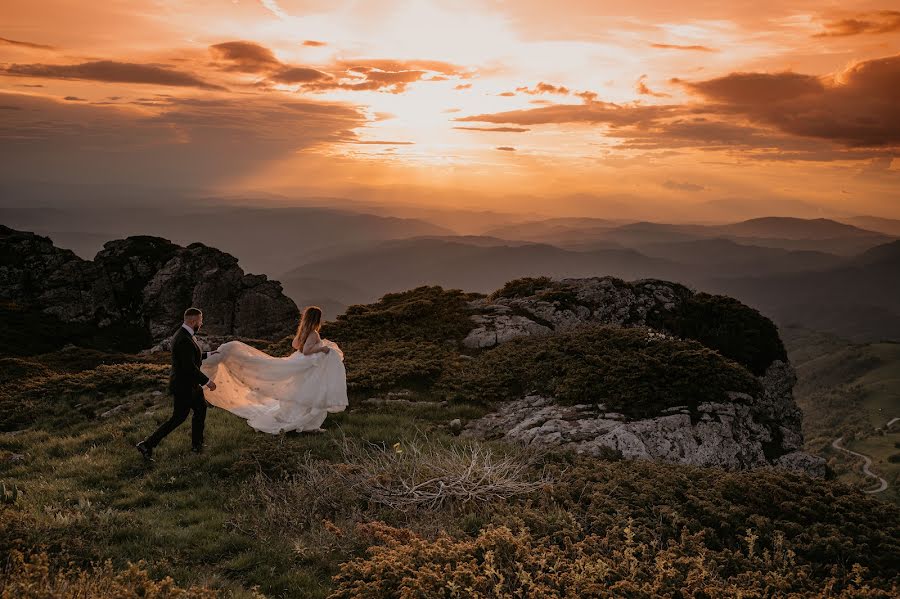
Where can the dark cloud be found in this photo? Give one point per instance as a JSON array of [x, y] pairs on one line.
[[857, 107], [507, 94], [314, 43], [496, 129], [885, 21], [382, 142], [299, 75], [756, 88], [463, 86], [10, 42], [245, 57], [594, 112], [183, 141], [506, 148], [683, 186], [74, 99], [109, 71], [767, 116], [693, 48]]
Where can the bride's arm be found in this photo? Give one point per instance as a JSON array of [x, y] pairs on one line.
[[314, 345]]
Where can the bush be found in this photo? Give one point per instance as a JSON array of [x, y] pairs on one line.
[[383, 365], [14, 369], [524, 287], [640, 529], [735, 330], [626, 370], [503, 563], [33, 577], [430, 314]]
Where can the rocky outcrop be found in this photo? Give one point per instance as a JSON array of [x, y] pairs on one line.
[[567, 303], [733, 435], [143, 284], [749, 431]]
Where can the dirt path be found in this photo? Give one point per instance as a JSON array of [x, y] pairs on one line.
[[867, 461]]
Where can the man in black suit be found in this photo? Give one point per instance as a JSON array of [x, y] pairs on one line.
[[186, 385]]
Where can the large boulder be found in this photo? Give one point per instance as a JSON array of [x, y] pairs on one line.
[[140, 285], [742, 429]]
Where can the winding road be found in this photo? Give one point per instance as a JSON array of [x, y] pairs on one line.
[[867, 461]]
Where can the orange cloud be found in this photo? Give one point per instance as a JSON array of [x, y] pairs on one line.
[[31, 45], [694, 48], [246, 57], [496, 129], [544, 88], [885, 21]]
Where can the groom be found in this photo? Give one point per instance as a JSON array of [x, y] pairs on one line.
[[186, 385]]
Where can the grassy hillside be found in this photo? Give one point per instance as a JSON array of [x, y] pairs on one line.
[[388, 501], [849, 390]]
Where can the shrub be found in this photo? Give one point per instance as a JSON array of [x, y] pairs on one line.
[[383, 365], [430, 314], [626, 370], [32, 577], [504, 563], [641, 529], [735, 330], [423, 475], [13, 369], [524, 287]]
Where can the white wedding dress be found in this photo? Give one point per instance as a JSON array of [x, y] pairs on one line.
[[294, 393]]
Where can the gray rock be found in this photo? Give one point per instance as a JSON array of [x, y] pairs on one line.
[[804, 463], [597, 300], [728, 435], [113, 411]]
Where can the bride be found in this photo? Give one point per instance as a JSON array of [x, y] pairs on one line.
[[295, 393]]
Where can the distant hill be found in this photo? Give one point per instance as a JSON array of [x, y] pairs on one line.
[[859, 300], [888, 226], [856, 297], [787, 233], [270, 240], [414, 262], [794, 228], [727, 255]]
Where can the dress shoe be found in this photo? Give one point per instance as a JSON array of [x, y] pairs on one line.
[[146, 452], [198, 448]]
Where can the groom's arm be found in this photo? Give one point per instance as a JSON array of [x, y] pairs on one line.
[[184, 357]]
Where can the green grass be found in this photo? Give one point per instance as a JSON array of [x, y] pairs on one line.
[[90, 491]]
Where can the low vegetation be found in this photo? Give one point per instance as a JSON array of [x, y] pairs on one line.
[[430, 314], [389, 502], [33, 577], [626, 370], [724, 324]]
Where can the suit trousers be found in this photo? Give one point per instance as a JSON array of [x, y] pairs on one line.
[[186, 401]]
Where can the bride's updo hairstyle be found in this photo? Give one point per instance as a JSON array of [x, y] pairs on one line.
[[309, 322]]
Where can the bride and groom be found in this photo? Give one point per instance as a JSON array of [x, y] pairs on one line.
[[273, 394]]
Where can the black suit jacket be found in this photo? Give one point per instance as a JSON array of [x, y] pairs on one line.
[[187, 356]]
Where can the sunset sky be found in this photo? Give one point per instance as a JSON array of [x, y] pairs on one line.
[[462, 102]]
